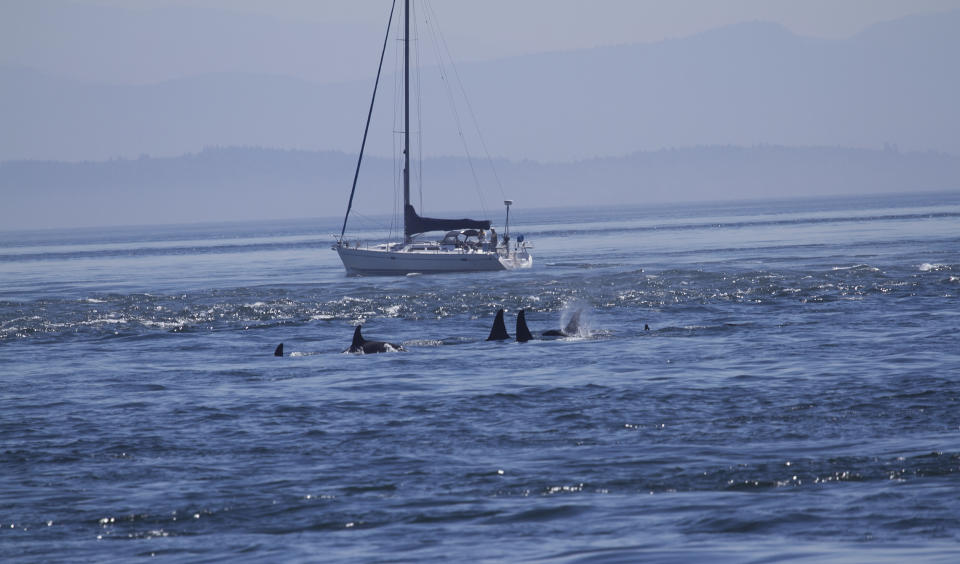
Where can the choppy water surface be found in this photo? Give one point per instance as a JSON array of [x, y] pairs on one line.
[[796, 397]]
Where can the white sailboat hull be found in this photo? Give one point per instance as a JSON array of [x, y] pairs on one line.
[[381, 260], [464, 247]]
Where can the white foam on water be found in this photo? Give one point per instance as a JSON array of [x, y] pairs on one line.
[[182, 322], [585, 324], [423, 343]]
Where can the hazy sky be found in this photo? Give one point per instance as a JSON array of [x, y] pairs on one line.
[[127, 41], [537, 25], [122, 78], [167, 77]]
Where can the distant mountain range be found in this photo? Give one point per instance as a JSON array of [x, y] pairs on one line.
[[221, 184], [743, 85]]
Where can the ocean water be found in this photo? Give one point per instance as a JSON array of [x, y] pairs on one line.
[[796, 397]]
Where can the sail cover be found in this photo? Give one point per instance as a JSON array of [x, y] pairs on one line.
[[414, 224]]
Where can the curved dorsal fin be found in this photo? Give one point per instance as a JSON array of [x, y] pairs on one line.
[[523, 332], [279, 350], [499, 330]]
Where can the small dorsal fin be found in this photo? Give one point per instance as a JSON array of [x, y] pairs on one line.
[[279, 350], [499, 330], [523, 332], [357, 338]]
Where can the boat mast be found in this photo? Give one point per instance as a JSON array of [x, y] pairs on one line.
[[406, 117]]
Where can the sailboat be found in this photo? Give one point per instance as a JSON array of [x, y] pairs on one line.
[[466, 245]]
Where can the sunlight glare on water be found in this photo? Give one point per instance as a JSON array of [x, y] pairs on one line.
[[795, 396]]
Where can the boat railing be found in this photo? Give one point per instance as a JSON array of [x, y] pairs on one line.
[[519, 249]]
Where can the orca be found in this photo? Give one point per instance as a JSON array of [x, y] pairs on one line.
[[571, 330], [363, 346], [279, 350], [499, 331], [523, 332]]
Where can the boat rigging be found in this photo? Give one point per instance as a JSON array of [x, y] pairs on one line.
[[468, 245]]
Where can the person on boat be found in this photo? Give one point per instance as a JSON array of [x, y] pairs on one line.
[[493, 239]]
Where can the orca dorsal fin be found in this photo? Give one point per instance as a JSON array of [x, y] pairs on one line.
[[523, 332], [499, 330], [279, 350], [573, 327], [358, 339]]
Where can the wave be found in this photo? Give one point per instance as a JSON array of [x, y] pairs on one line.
[[549, 301], [153, 251], [742, 224]]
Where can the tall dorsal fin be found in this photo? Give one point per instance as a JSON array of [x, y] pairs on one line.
[[279, 350], [357, 338], [523, 332], [499, 330]]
